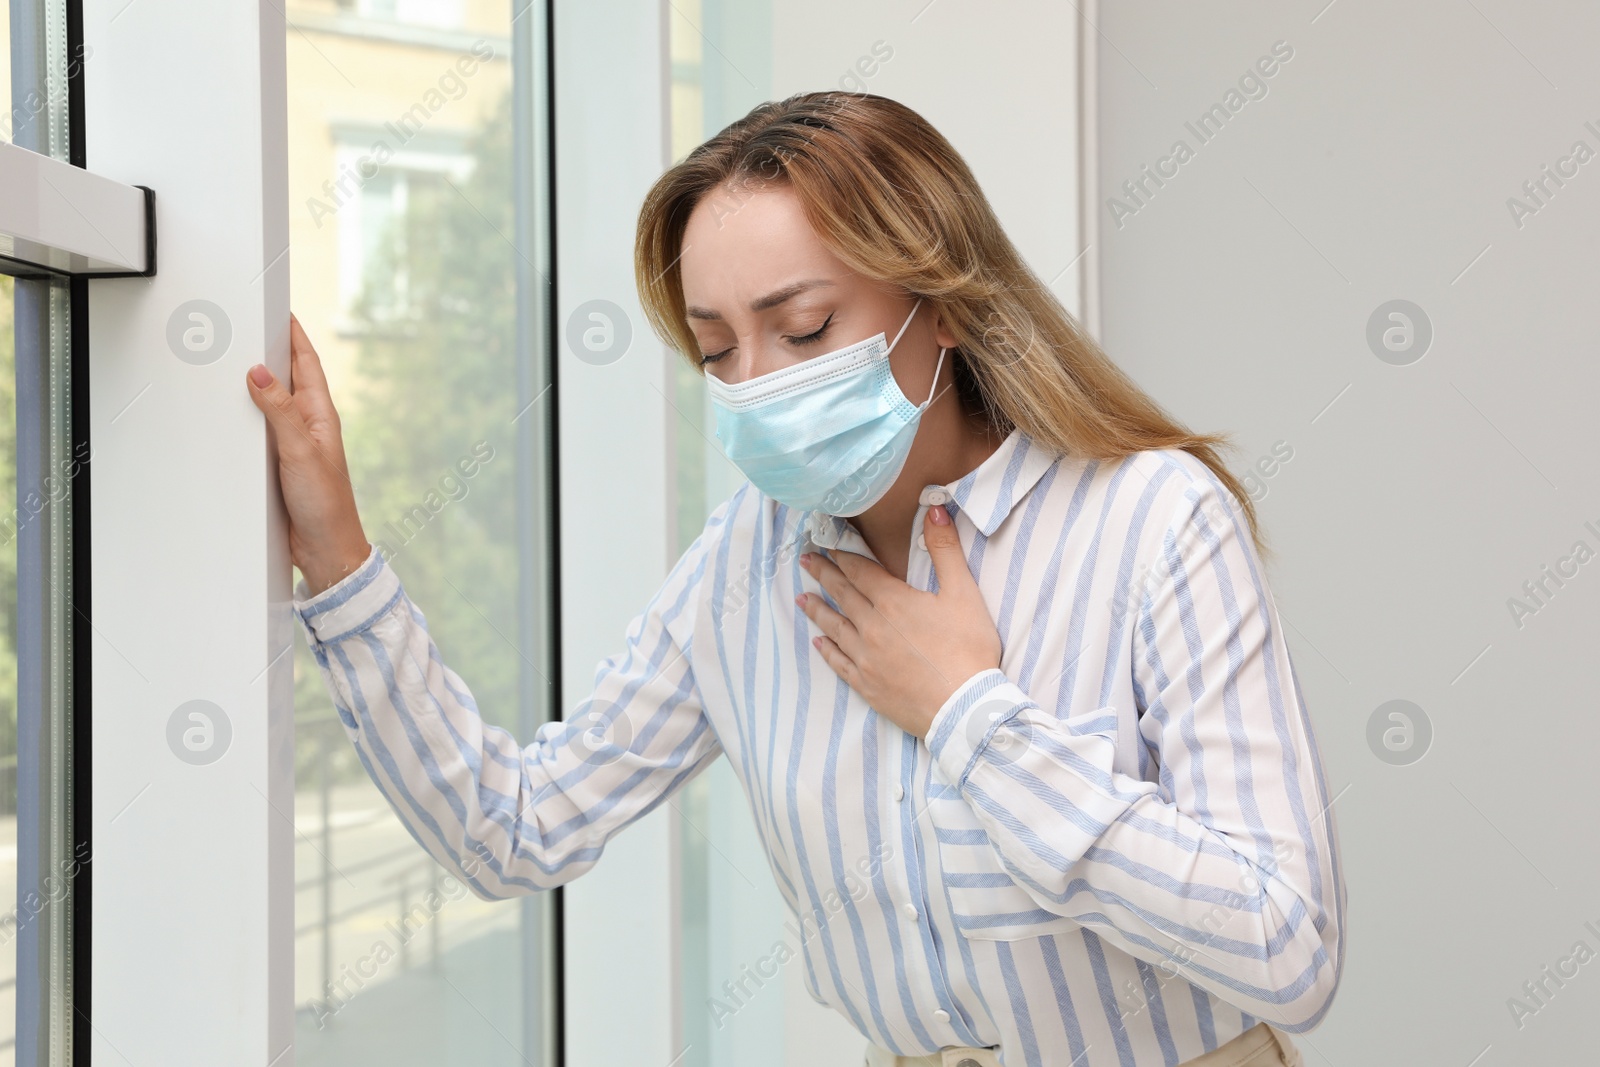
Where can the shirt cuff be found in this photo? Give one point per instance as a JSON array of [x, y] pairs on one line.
[[962, 728], [350, 605]]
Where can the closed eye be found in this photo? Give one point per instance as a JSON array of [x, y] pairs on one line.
[[807, 339], [813, 337]]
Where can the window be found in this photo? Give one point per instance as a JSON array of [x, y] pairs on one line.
[[43, 817], [204, 819], [406, 249], [8, 604]]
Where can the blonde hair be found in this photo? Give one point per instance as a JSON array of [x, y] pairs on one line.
[[892, 199]]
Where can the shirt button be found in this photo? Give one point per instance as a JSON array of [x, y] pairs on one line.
[[935, 495], [942, 1015], [823, 531], [899, 791], [911, 911], [922, 542]]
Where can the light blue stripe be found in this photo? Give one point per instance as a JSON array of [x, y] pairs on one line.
[[1094, 948], [1050, 952], [1021, 1016], [1150, 986]]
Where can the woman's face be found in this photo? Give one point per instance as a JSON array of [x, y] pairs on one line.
[[763, 293]]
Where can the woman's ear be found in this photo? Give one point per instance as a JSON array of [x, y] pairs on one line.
[[941, 333]]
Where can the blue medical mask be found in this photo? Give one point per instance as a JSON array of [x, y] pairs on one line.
[[830, 434]]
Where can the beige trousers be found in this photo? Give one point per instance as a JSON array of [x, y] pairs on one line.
[[1260, 1046]]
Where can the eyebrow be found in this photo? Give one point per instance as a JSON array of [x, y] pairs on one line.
[[771, 300]]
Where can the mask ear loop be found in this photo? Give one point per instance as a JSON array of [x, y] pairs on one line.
[[903, 326], [936, 368]]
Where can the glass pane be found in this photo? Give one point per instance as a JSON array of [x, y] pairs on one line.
[[38, 815], [38, 861], [8, 604], [417, 280], [8, 674]]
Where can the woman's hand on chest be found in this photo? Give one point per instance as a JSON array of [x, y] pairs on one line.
[[903, 649]]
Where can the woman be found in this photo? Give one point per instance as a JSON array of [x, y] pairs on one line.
[[986, 636]]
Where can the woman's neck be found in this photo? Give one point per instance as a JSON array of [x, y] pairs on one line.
[[950, 443]]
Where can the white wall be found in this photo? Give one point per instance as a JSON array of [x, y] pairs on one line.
[[1419, 497], [999, 82]]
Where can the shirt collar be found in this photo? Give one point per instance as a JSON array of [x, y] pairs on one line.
[[986, 494]]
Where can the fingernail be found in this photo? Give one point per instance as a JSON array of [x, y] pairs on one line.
[[800, 600], [261, 376], [816, 642], [805, 559], [939, 515]]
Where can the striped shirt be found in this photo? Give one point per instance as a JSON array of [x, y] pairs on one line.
[[1116, 848]]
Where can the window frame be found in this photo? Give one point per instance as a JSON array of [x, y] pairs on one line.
[[54, 771], [196, 863]]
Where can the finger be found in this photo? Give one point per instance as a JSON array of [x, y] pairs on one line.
[[839, 586], [305, 370], [830, 622], [867, 575], [283, 415], [835, 658], [277, 404], [944, 549]]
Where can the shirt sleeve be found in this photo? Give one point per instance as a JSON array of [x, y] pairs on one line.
[[1225, 869], [510, 820]]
